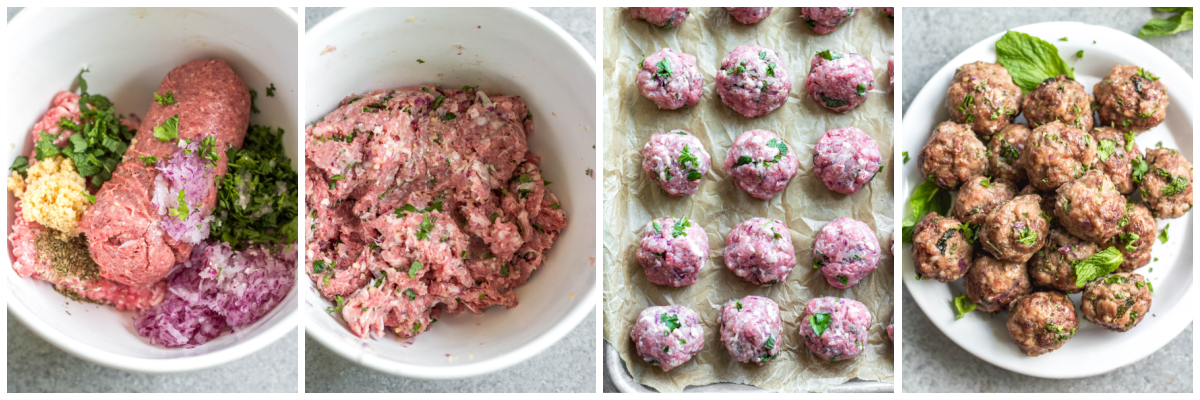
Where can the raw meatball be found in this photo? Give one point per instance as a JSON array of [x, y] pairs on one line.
[[670, 79], [662, 17], [1056, 154], [826, 19], [994, 284], [1059, 99], [1167, 185], [668, 336], [1131, 98], [749, 15], [891, 72], [760, 251], [676, 161], [839, 81], [952, 155], [891, 326], [761, 164], [843, 325], [846, 250], [940, 250], [1004, 154], [1136, 237], [1115, 155], [753, 81], [750, 329], [1042, 322], [673, 251], [978, 197], [1090, 207], [1016, 229], [984, 96], [1118, 302], [846, 159], [889, 12], [1053, 266]]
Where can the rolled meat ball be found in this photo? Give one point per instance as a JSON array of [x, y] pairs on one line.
[[760, 251], [1136, 237], [1059, 99], [1042, 322], [891, 72], [994, 284], [1056, 154], [983, 96], [1004, 154], [978, 197], [1167, 184], [673, 251], [835, 328], [1116, 154], [839, 81], [1053, 267], [889, 12], [891, 327], [846, 159], [668, 336], [825, 20], [1118, 302], [845, 250], [1090, 207], [750, 329], [940, 249], [761, 164], [1131, 98], [1016, 229], [753, 81], [662, 17], [1046, 204], [749, 15], [952, 155], [676, 161], [670, 79]]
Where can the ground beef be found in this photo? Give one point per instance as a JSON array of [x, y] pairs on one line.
[[1090, 207], [1136, 237], [1131, 98], [760, 251], [761, 164], [994, 284], [753, 80], [845, 250], [750, 329], [839, 81], [844, 323], [824, 20], [983, 96], [940, 249], [978, 197], [846, 159], [1167, 185], [1059, 99], [1118, 302], [749, 15], [670, 79], [676, 161], [1053, 267], [668, 336], [1116, 153], [1016, 229], [662, 17], [1056, 154], [952, 155], [1004, 154], [1042, 322], [673, 251]]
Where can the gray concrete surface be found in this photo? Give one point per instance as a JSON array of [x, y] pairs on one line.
[[567, 366], [931, 361]]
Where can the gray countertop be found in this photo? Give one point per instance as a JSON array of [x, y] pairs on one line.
[[934, 363], [567, 366]]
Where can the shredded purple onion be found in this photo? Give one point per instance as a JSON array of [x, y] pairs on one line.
[[185, 170]]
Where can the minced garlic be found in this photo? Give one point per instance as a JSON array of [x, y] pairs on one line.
[[53, 194]]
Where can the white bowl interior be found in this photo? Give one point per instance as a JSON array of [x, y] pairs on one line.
[[509, 51], [129, 52]]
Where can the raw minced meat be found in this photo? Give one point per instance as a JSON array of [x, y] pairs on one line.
[[750, 329], [749, 15], [846, 159], [668, 336], [760, 163], [845, 250], [676, 161], [673, 251], [670, 79], [753, 80], [835, 329], [839, 81], [826, 19], [662, 17], [760, 251]]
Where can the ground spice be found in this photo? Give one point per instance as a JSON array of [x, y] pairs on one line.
[[67, 257]]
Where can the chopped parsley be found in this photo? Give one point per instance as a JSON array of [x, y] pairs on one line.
[[830, 55], [672, 322], [98, 146], [862, 89], [168, 131], [181, 210], [1162, 236], [148, 160], [1106, 149], [664, 69], [414, 269], [680, 226], [1176, 185], [833, 103], [905, 154], [410, 294], [963, 305], [260, 177], [165, 100], [90, 198]]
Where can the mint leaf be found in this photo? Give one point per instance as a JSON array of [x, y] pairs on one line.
[[1030, 60], [1170, 26], [926, 198], [1097, 266], [963, 305]]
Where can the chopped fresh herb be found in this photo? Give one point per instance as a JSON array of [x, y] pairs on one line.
[[20, 164], [420, 61], [1106, 149], [410, 294], [253, 97], [504, 270], [414, 269], [449, 116], [963, 305], [819, 322], [169, 130], [89, 197], [905, 154], [1129, 239], [833, 103], [270, 90], [1079, 54], [1176, 185], [1097, 266], [664, 69], [181, 210], [341, 302], [680, 226], [438, 102], [1162, 236], [686, 157], [843, 279], [319, 266], [743, 160], [672, 322], [1140, 167], [770, 343], [1146, 75], [862, 89], [165, 100], [830, 54], [985, 182], [259, 178]]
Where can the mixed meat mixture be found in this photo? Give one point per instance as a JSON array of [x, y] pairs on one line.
[[668, 336]]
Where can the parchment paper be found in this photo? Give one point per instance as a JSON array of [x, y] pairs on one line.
[[631, 199]]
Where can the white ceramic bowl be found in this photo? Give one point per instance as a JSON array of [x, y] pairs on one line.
[[505, 50], [129, 51]]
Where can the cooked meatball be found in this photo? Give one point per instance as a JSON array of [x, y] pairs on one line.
[[889, 12], [670, 79], [1056, 154], [1059, 99], [750, 329], [760, 251], [845, 250], [826, 19], [940, 249], [1136, 237], [1053, 266], [1042, 322], [1118, 302], [1046, 204], [839, 81], [1004, 154], [983, 96], [662, 17], [952, 155], [760, 163], [846, 159], [1090, 207], [668, 336], [835, 328], [753, 81], [994, 284], [1131, 98], [1016, 229], [675, 161], [749, 15], [1167, 185], [673, 251], [978, 197], [1116, 153]]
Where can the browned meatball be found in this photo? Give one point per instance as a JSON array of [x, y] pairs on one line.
[[994, 284], [1136, 237], [1042, 322], [1090, 207], [1115, 154], [978, 197], [1047, 203], [1055, 154], [1004, 154], [1059, 99], [1118, 302], [983, 95], [940, 250], [1131, 98], [1052, 266], [1016, 229], [1167, 186], [952, 155]]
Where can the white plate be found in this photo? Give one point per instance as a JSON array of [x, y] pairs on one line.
[[1093, 350]]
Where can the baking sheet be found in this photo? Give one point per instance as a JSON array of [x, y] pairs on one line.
[[631, 199]]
